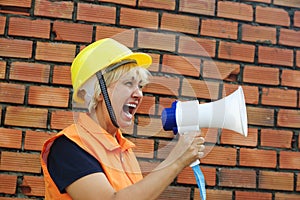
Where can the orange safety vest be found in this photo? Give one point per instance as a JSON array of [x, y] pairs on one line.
[[116, 158]]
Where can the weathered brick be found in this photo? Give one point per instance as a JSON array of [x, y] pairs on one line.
[[237, 178], [8, 183], [2, 69], [62, 75], [25, 3], [181, 65], [297, 18], [57, 9], [273, 16], [200, 89], [12, 93], [258, 34], [271, 180], [33, 186], [34, 140], [298, 58], [61, 119], [288, 118], [290, 78], [139, 18], [251, 195], [96, 13], [289, 3], [275, 56], [279, 97], [55, 52], [175, 192], [258, 158], [219, 28], [180, 23], [163, 85], [28, 117], [289, 37], [251, 93], [48, 96], [164, 148], [214, 194], [15, 48], [123, 2], [233, 138], [202, 7], [124, 36], [276, 138], [197, 46], [289, 160], [284, 196], [261, 75], [151, 127], [144, 147], [147, 106], [236, 51], [31, 72], [261, 1], [220, 70], [2, 24], [260, 116], [234, 10], [72, 32], [10, 138], [20, 162], [165, 5], [157, 41], [29, 28], [220, 156], [186, 176]]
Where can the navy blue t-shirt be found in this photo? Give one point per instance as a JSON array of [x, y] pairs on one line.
[[67, 162]]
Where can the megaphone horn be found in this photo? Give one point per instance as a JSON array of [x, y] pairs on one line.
[[228, 113]]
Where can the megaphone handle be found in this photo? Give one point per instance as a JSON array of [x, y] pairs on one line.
[[197, 162], [199, 178]]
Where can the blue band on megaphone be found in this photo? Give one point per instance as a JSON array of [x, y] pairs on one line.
[[168, 118]]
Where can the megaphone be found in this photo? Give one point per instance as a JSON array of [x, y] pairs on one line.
[[228, 113]]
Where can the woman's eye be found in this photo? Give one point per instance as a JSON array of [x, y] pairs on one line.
[[129, 83]]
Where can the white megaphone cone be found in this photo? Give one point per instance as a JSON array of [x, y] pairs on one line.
[[228, 113]]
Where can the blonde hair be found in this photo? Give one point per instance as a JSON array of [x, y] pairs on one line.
[[113, 76]]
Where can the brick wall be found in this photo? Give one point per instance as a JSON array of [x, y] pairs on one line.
[[200, 48]]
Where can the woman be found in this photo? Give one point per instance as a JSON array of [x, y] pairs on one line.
[[91, 159]]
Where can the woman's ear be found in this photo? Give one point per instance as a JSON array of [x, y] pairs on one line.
[[99, 97]]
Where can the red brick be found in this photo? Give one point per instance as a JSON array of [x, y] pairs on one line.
[[220, 156], [279, 97], [261, 1], [219, 28], [233, 10], [33, 186], [34, 140], [72, 32], [285, 196], [8, 184], [288, 118], [175, 192], [250, 195], [260, 116], [165, 147], [258, 34], [29, 28], [25, 3], [197, 46], [125, 36], [220, 70], [201, 7], [236, 51], [138, 18], [144, 147], [124, 2], [181, 65], [55, 52], [258, 158], [271, 180], [2, 24], [297, 18], [157, 41], [32, 72], [251, 93], [151, 127], [289, 3], [61, 75], [298, 183], [275, 56], [12, 93], [186, 176], [230, 137], [215, 194], [12, 198], [163, 85], [200, 89], [290, 78], [273, 16], [261, 75], [147, 106], [96, 13], [10, 138], [20, 162], [165, 5], [237, 178], [61, 119], [15, 48], [180, 23], [2, 69], [48, 96], [57, 9], [289, 37], [276, 138], [298, 58], [289, 160], [28, 117]]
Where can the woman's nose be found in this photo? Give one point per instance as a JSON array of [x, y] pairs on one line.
[[137, 93]]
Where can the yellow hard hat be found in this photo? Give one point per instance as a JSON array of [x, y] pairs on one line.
[[99, 55]]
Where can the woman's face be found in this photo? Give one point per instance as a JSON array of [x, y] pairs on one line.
[[126, 95]]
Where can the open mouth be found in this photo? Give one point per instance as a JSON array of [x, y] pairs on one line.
[[129, 108]]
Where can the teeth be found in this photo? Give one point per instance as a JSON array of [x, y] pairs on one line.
[[131, 105]]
